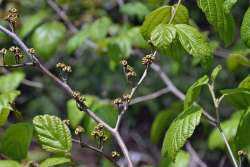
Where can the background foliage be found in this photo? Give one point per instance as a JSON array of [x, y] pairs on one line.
[[110, 31]]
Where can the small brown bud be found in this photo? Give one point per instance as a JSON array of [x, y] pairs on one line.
[[148, 59], [3, 51], [66, 121], [76, 94], [242, 153], [32, 51], [124, 62], [115, 154], [79, 130], [117, 101]]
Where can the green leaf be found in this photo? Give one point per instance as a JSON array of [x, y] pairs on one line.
[[50, 162], [53, 134], [245, 83], [163, 36], [16, 141], [194, 43], [223, 23], [245, 28], [242, 136], [162, 15], [9, 163], [135, 9], [30, 22], [162, 122], [182, 160], [99, 29], [229, 128], [5, 100], [78, 39], [74, 114], [95, 31], [238, 97], [228, 5], [136, 38], [194, 91], [180, 130], [47, 38], [215, 72], [10, 81], [119, 48]]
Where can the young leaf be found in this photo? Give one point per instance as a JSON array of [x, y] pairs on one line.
[[162, 15], [228, 5], [194, 43], [9, 163], [194, 91], [162, 36], [223, 23], [53, 134], [50, 162], [238, 97], [243, 135], [180, 130], [216, 72], [16, 141], [245, 28], [162, 122], [5, 100], [10, 81], [47, 38], [229, 128]]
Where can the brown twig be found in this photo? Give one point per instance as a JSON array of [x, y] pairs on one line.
[[151, 96], [18, 65], [85, 145]]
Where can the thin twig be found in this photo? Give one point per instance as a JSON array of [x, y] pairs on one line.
[[194, 155], [133, 90], [18, 65], [216, 102], [85, 145], [174, 12], [62, 15], [151, 96]]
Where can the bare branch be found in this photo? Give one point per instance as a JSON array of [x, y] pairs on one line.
[[85, 145], [151, 96], [62, 15], [18, 65]]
